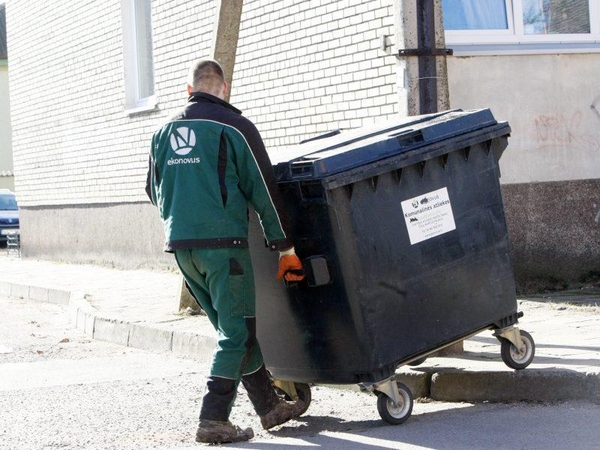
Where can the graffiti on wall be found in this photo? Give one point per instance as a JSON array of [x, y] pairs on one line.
[[563, 130]]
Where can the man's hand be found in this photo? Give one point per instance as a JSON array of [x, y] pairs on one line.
[[290, 266]]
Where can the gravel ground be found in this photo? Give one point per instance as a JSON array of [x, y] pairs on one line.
[[36, 331], [131, 410], [60, 390]]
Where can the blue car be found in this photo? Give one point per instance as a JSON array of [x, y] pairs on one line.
[[9, 214]]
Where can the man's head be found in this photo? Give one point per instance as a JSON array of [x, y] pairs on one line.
[[206, 75]]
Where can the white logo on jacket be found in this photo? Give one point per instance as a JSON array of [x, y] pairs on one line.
[[183, 140]]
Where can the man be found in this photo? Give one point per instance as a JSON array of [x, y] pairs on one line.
[[207, 164]]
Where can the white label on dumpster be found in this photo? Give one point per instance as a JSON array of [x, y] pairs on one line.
[[428, 215]]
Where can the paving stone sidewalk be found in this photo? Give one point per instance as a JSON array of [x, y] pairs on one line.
[[139, 308]]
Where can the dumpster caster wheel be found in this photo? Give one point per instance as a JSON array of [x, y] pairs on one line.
[[304, 395], [393, 413], [518, 358]]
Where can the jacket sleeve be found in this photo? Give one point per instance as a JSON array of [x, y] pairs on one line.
[[152, 177], [149, 179], [257, 182]]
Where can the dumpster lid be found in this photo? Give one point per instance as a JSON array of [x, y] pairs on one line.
[[337, 152]]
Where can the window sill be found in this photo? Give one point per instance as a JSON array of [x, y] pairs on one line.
[[149, 105], [536, 48]]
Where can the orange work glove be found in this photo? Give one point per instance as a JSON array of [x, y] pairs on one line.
[[290, 267]]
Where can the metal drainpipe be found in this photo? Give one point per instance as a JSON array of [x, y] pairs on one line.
[[427, 62], [420, 44]]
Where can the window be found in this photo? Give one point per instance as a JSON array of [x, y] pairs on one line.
[[475, 15], [556, 17], [537, 24], [137, 51], [8, 201]]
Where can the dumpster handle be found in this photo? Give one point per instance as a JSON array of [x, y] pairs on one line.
[[293, 272]]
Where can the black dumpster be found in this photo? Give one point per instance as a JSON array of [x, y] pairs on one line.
[[402, 232]]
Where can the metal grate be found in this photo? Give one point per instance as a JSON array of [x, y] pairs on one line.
[[13, 242]]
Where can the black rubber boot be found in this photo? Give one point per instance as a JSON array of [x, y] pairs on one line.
[[272, 410], [214, 426], [280, 414], [260, 391], [218, 399]]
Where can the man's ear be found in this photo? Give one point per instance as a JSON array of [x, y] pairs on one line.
[[225, 87], [190, 89]]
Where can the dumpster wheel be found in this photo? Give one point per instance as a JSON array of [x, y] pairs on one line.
[[518, 358], [302, 394], [393, 412]]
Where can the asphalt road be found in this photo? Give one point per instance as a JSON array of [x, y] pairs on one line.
[[59, 390]]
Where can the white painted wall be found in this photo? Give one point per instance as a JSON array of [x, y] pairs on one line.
[[552, 103]]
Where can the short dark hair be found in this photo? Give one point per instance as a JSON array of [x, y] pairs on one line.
[[206, 75]]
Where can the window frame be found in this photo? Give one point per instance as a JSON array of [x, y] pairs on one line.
[[514, 40], [134, 103]]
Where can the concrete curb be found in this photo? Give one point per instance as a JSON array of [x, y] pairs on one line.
[[36, 293], [444, 385], [140, 335], [524, 385]]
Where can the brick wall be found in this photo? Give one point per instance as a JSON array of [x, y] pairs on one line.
[[303, 68], [72, 143], [307, 67]]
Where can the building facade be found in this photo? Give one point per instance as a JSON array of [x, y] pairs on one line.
[[90, 82]]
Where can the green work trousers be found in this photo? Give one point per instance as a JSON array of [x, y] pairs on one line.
[[222, 281]]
